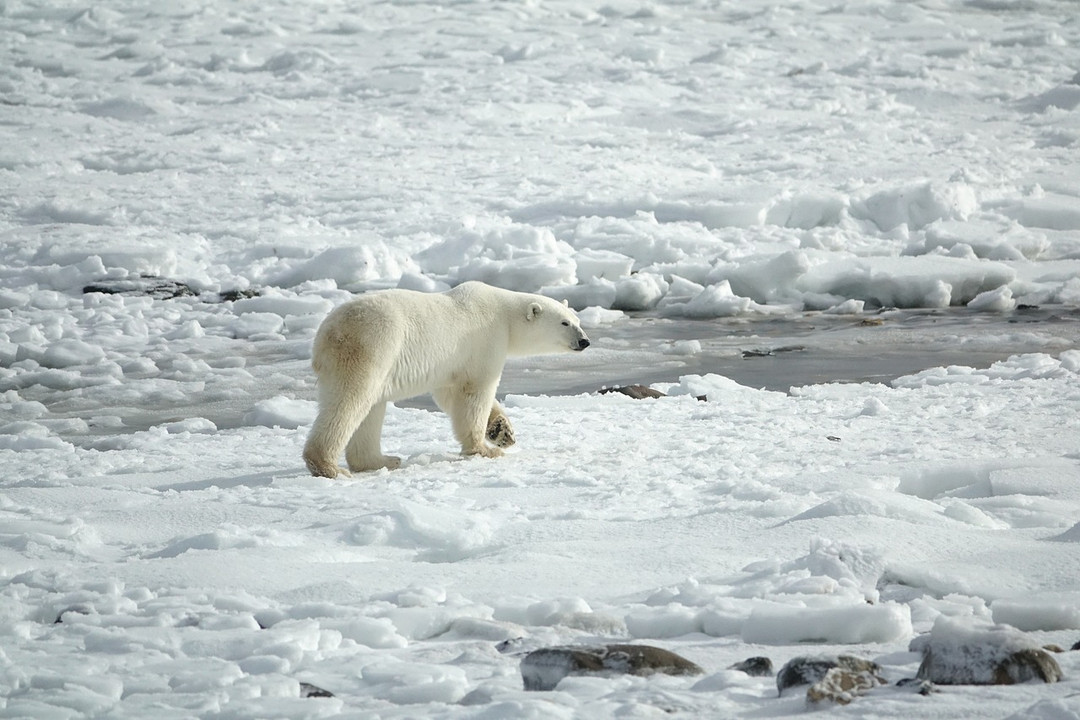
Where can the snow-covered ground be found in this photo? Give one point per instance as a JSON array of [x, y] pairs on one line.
[[782, 195]]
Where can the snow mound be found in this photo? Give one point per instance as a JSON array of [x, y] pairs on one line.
[[1028, 615], [438, 536], [915, 206], [854, 624], [282, 412]]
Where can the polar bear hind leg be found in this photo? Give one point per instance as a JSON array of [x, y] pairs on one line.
[[364, 449], [345, 401]]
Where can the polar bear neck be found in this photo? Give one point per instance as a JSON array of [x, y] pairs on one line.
[[490, 302]]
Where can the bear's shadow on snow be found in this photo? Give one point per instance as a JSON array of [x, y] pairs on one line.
[[263, 479]]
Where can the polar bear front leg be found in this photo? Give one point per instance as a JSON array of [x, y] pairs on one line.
[[364, 451], [499, 430], [469, 411]]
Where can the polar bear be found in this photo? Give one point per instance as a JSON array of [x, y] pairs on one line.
[[396, 344]]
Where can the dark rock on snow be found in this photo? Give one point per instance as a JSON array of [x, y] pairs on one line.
[[805, 670], [923, 687], [543, 669], [962, 652], [155, 287], [161, 289], [638, 392], [841, 686], [234, 295], [755, 666], [641, 392], [307, 690]]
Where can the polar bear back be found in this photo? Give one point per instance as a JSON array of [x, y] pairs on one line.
[[413, 341], [406, 343]]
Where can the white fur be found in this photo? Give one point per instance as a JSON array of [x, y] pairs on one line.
[[396, 344]]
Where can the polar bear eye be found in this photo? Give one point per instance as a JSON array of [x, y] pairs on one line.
[[565, 323]]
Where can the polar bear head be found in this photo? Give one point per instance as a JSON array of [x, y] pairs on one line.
[[548, 327]]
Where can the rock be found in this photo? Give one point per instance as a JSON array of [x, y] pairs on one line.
[[307, 690], [1076, 646], [162, 289], [923, 687], [1024, 665], [155, 287], [234, 295], [841, 686], [963, 652], [1053, 648], [769, 352], [805, 670], [755, 666], [638, 392], [543, 669]]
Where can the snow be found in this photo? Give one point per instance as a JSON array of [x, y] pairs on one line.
[[747, 203]]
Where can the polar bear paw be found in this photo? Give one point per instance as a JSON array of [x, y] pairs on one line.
[[389, 462], [326, 470], [484, 451], [500, 432]]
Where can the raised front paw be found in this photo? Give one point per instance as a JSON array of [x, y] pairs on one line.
[[500, 432]]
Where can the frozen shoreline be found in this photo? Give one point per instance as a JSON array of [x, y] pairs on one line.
[[701, 180], [805, 349], [771, 353]]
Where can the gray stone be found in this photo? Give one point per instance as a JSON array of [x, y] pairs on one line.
[[755, 666], [543, 669], [155, 287], [638, 392], [805, 670], [923, 687], [307, 690], [962, 652], [841, 686]]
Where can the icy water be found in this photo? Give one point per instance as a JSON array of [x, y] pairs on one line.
[[771, 353], [807, 349]]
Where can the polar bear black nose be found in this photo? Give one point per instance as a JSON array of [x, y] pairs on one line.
[[582, 343]]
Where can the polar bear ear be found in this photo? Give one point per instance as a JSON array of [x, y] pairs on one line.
[[565, 303], [534, 311]]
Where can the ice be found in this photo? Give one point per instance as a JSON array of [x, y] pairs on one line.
[[848, 625], [843, 241], [1036, 614], [999, 300], [916, 206], [70, 352]]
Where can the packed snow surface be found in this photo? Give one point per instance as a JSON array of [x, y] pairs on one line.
[[744, 200]]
